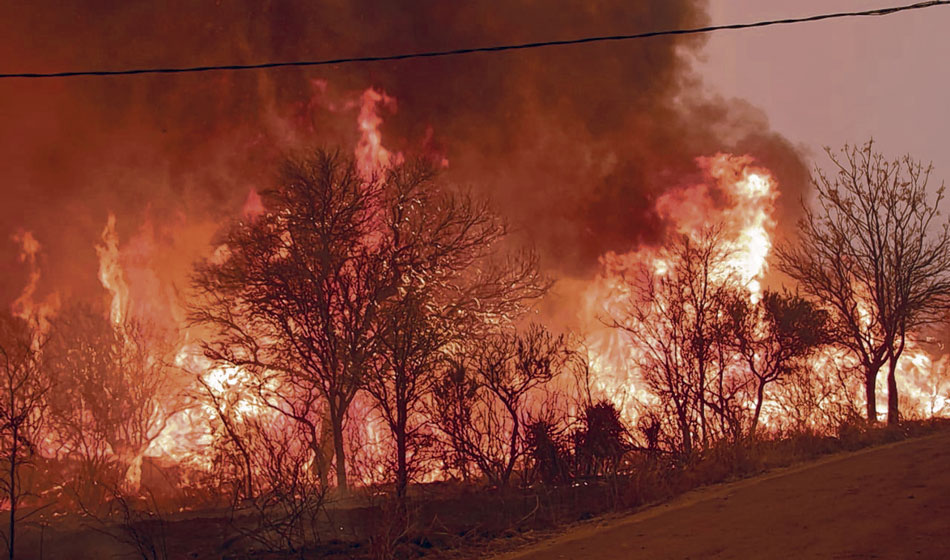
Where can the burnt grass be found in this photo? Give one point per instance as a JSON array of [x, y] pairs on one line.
[[449, 520]]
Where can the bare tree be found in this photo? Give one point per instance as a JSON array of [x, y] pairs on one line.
[[263, 459], [483, 406], [673, 313], [874, 253], [454, 398], [345, 284], [289, 500], [23, 390], [449, 288], [773, 337], [115, 392], [293, 296]]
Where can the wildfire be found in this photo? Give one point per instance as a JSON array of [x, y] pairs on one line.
[[736, 195], [745, 213], [110, 273], [38, 314], [188, 435], [371, 156]]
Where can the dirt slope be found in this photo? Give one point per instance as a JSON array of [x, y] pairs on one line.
[[886, 502]]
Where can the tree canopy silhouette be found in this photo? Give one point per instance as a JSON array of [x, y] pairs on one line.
[[875, 251]]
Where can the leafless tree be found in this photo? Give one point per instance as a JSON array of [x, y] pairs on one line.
[[454, 398], [23, 390], [289, 501], [483, 407], [449, 287], [115, 393], [264, 460], [674, 314], [774, 336], [347, 284], [874, 251], [293, 295]]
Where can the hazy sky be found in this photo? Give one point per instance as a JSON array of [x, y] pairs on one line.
[[827, 83]]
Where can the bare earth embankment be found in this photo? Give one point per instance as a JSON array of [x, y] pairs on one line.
[[891, 501]]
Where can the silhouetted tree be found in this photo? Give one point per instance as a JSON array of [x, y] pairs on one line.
[[773, 337], [345, 284], [482, 405], [873, 252], [510, 366], [288, 499], [115, 392], [673, 312], [23, 390], [454, 398], [293, 295], [601, 441], [546, 446], [449, 287]]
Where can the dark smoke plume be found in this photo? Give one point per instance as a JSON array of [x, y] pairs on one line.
[[574, 143]]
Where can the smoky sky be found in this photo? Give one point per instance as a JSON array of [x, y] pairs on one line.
[[573, 144]]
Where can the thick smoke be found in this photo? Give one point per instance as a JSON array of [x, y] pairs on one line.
[[573, 143]]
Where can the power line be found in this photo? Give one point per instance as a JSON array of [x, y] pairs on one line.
[[472, 50]]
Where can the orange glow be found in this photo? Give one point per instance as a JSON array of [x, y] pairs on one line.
[[736, 195], [110, 273], [735, 192], [25, 306], [371, 156]]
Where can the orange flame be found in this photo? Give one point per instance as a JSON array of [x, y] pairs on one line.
[[37, 314], [737, 195], [110, 273], [371, 156]]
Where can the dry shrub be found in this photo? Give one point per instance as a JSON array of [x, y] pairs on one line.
[[134, 520], [283, 512]]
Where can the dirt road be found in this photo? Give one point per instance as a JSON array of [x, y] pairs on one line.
[[885, 502]]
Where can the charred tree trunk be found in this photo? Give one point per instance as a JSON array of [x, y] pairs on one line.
[[893, 404], [402, 467], [13, 490], [893, 409], [338, 450], [759, 397], [683, 419], [513, 444], [870, 381], [323, 449]]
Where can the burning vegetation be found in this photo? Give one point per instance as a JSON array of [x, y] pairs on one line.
[[554, 309], [364, 327]]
